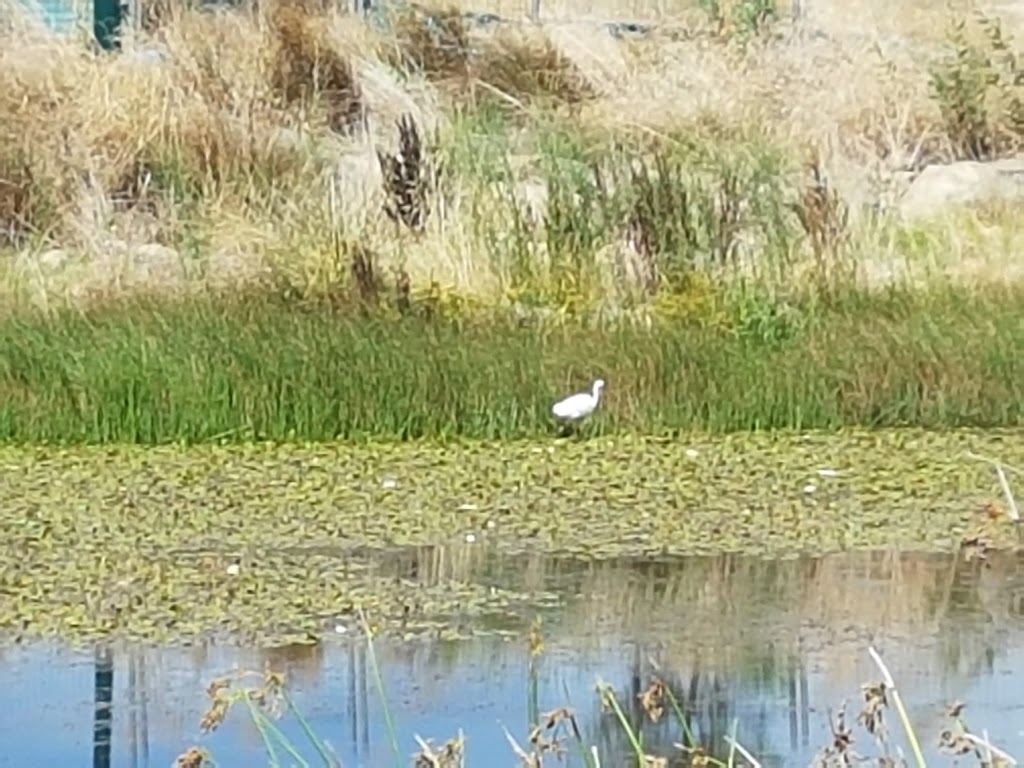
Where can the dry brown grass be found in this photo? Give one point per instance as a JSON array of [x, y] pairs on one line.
[[253, 142]]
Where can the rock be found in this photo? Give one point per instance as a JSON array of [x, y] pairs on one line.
[[153, 263], [533, 197], [52, 260], [939, 187]]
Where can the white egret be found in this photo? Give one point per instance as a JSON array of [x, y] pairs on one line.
[[575, 407]]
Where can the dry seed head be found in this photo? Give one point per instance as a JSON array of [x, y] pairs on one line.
[[215, 715], [699, 758], [526, 760], [975, 547], [536, 640], [875, 702], [450, 755], [409, 177], [273, 680], [954, 742], [193, 757], [653, 700]]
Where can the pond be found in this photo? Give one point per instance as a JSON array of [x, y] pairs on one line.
[[772, 645]]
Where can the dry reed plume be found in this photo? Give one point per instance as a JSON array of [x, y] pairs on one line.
[[223, 146]]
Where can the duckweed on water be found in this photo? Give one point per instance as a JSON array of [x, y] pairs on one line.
[[275, 544]]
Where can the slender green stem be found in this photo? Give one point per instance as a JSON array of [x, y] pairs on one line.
[[897, 700], [690, 739], [316, 741], [589, 755], [269, 732], [378, 682], [634, 739]]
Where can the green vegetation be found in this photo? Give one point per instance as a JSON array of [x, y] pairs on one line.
[[495, 237], [286, 543], [411, 233], [253, 368]]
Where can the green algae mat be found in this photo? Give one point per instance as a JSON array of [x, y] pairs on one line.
[[273, 544]]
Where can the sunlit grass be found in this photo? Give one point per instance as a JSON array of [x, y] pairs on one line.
[[416, 228], [252, 368]]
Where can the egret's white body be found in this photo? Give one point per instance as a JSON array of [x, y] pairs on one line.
[[575, 407]]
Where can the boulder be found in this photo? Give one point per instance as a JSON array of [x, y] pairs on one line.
[[939, 187]]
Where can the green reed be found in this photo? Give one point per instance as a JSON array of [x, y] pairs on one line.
[[252, 368]]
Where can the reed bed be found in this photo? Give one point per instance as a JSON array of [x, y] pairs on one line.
[[252, 369], [288, 222]]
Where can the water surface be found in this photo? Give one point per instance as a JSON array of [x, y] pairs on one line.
[[774, 644]]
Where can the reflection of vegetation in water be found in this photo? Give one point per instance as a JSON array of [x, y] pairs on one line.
[[720, 667], [623, 729], [283, 543]]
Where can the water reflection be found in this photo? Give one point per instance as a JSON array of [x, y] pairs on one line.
[[770, 644], [103, 709]]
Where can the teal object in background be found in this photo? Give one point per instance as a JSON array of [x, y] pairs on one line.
[[107, 17], [63, 16], [60, 15]]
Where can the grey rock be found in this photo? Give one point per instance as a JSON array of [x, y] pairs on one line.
[[939, 187]]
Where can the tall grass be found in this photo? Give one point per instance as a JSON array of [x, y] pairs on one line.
[[253, 367], [293, 223], [525, 163]]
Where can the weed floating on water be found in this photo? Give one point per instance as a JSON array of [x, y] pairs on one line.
[[164, 525]]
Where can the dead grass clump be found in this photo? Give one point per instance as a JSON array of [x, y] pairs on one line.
[[661, 227], [23, 207], [308, 70], [197, 126], [705, 201], [158, 14], [346, 276], [39, 84], [218, 58], [896, 137], [210, 118], [524, 69], [824, 217], [434, 44], [740, 19]]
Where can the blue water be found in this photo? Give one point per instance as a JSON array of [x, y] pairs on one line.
[[948, 630]]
